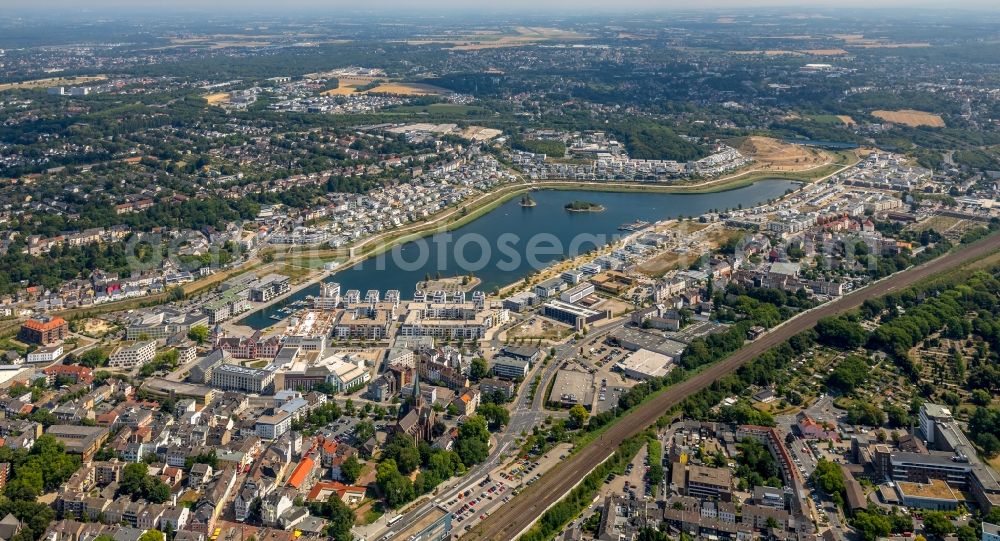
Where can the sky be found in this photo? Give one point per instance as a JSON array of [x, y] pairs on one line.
[[568, 6]]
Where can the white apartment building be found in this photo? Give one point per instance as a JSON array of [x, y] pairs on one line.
[[46, 354], [132, 356], [272, 427]]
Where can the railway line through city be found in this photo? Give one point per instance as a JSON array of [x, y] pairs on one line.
[[526, 508]]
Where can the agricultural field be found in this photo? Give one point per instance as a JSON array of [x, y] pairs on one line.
[[825, 52], [52, 81], [523, 35], [226, 41], [860, 41], [349, 85], [802, 52], [438, 108], [910, 117], [407, 89], [216, 98]]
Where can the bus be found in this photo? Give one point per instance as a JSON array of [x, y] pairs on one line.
[[393, 520]]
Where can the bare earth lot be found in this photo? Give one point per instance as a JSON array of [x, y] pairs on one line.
[[910, 117], [778, 155]]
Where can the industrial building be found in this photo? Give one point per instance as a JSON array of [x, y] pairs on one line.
[[572, 387], [645, 364]]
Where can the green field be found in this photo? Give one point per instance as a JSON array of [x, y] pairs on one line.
[[827, 120]]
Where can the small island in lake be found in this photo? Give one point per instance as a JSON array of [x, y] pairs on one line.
[[527, 201], [583, 206]]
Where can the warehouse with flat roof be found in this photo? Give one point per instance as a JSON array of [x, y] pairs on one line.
[[572, 387], [645, 364]]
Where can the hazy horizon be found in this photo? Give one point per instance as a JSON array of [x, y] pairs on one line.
[[439, 6]]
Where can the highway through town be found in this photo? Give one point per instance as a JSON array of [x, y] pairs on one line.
[[522, 511]]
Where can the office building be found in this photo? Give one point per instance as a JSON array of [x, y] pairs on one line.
[[510, 368], [570, 314], [577, 292], [233, 377]]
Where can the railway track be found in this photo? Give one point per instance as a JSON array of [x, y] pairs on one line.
[[523, 510]]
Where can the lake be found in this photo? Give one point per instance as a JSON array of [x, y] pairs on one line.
[[511, 241]]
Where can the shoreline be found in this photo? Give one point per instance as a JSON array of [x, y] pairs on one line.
[[497, 198], [596, 208]]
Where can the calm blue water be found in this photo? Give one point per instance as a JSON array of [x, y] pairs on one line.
[[511, 242]]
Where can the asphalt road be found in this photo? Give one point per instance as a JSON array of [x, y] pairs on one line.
[[523, 510], [526, 413]]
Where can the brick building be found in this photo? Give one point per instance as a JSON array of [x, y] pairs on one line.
[[44, 330]]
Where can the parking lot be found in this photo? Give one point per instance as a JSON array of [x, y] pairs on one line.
[[341, 430], [632, 482], [475, 504], [599, 358]]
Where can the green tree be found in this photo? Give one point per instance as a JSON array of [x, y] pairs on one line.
[[871, 525], [402, 450], [175, 294], [395, 486], [830, 479], [578, 416], [967, 533], [363, 431], [865, 413], [473, 442], [137, 482], [341, 520], [479, 369], [350, 469], [198, 333], [152, 535], [496, 416], [852, 372], [756, 465], [93, 358], [937, 524], [340, 517]]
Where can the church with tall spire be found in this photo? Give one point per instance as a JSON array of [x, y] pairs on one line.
[[417, 417]]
